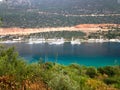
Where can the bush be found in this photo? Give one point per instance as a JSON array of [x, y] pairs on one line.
[[110, 81], [16, 73], [109, 70], [62, 82], [91, 72]]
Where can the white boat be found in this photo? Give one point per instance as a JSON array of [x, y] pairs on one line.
[[41, 40], [91, 40], [57, 42], [114, 40], [118, 40], [8, 41], [30, 42], [73, 42], [37, 41], [99, 40]]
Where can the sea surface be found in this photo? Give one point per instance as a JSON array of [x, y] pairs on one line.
[[88, 54]]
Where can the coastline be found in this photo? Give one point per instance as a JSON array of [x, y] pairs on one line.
[[18, 35], [57, 41]]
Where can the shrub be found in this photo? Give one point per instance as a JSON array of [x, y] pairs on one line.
[[91, 72], [109, 70], [62, 82], [110, 81]]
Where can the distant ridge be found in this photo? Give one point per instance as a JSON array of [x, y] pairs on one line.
[[58, 13]]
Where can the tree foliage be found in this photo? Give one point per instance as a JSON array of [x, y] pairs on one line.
[[16, 74]]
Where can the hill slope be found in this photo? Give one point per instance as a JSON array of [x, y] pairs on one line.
[[52, 13]]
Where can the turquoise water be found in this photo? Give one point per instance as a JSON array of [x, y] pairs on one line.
[[89, 54]]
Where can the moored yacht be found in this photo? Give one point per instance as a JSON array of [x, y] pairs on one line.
[[73, 42], [8, 41], [36, 41], [57, 41]]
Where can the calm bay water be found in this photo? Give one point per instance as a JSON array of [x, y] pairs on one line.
[[89, 54]]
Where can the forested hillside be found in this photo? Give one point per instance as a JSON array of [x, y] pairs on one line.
[[53, 13]]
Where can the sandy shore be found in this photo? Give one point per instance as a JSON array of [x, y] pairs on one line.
[[82, 27]]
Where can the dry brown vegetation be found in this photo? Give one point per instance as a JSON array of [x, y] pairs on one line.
[[96, 27], [8, 82], [82, 27]]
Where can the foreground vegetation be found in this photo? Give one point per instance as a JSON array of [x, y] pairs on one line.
[[16, 74]]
